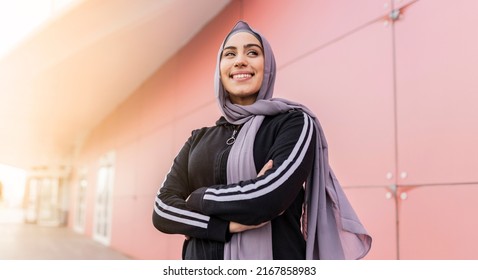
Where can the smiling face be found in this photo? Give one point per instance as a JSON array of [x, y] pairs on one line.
[[242, 68]]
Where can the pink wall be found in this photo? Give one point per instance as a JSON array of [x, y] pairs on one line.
[[392, 98]]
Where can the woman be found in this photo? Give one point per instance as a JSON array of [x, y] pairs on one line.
[[236, 190]]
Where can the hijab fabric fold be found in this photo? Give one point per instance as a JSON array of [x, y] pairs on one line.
[[330, 226]]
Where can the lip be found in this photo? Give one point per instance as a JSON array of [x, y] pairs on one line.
[[241, 76]]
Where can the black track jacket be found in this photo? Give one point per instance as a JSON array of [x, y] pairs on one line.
[[200, 168]]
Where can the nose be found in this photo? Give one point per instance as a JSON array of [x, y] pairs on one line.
[[240, 61]]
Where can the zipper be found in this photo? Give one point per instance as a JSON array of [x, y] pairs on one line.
[[232, 139], [221, 159]]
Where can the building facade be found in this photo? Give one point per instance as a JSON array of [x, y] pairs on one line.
[[392, 83]]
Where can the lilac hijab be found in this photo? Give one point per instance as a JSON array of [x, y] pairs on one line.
[[330, 226]]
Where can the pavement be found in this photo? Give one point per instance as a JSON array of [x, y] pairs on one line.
[[21, 241]]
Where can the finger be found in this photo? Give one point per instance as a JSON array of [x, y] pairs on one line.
[[266, 167]]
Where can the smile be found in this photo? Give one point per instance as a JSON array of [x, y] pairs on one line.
[[241, 76]]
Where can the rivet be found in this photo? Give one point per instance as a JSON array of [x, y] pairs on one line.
[[394, 14], [403, 196]]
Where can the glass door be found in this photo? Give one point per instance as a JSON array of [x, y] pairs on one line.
[[103, 201], [80, 205]]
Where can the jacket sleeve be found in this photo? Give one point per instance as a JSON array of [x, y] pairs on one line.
[[170, 213], [263, 198]]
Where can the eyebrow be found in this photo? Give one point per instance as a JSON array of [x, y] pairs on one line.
[[245, 46]]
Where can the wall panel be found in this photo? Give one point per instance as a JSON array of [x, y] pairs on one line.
[[350, 88], [439, 222], [297, 27], [126, 170], [377, 211], [122, 229], [159, 94], [437, 92], [205, 116], [155, 157]]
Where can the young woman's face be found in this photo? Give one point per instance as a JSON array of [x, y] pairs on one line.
[[242, 68]]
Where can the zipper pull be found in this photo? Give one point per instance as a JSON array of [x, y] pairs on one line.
[[232, 139]]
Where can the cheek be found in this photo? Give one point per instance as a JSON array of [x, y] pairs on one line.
[[223, 76], [221, 73], [260, 69], [223, 68], [223, 79], [261, 75]]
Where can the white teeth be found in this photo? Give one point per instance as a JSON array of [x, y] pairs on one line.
[[241, 76]]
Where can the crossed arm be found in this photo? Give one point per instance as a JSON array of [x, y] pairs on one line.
[[215, 212], [235, 227]]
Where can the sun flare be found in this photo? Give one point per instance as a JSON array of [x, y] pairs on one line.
[[20, 18]]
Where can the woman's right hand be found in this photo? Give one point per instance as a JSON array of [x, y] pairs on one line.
[[237, 227], [266, 167]]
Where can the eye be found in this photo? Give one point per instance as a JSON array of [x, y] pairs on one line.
[[253, 53], [228, 54]]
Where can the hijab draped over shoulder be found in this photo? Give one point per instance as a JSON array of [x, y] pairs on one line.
[[330, 226]]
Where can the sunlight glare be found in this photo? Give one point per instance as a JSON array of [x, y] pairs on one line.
[[20, 18], [13, 180]]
